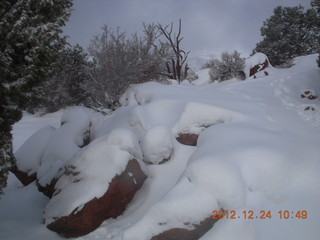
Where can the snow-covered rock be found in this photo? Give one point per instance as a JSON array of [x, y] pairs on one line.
[[29, 155], [63, 144], [309, 94], [157, 145], [256, 63], [192, 208], [96, 185]]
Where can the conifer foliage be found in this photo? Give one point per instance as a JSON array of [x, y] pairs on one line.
[[30, 42], [288, 33]]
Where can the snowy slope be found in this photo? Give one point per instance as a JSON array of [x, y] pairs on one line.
[[258, 150]]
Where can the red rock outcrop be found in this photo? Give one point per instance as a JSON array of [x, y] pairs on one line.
[[121, 191], [258, 68], [185, 234], [309, 94], [190, 139], [24, 177], [48, 190]]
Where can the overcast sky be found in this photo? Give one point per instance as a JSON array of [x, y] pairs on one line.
[[208, 26]]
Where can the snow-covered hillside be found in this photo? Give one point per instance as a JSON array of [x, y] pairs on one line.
[[257, 152]]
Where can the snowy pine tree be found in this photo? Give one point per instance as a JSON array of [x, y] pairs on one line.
[[68, 86], [288, 33], [316, 5], [29, 42]]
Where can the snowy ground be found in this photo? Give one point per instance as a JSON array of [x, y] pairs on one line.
[[260, 153]]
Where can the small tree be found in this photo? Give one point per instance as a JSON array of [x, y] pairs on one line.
[[230, 66], [67, 86], [316, 5], [179, 67], [121, 61], [288, 33]]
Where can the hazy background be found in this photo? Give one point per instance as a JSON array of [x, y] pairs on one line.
[[209, 27]]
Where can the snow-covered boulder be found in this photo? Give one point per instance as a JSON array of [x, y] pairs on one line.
[[195, 118], [63, 144], [185, 212], [157, 145], [256, 63], [96, 185], [309, 94], [29, 155]]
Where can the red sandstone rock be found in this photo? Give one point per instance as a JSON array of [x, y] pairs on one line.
[[258, 68], [24, 177], [112, 204], [188, 139], [49, 189], [185, 234], [309, 94]]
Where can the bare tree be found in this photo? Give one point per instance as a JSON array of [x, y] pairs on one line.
[[179, 68]]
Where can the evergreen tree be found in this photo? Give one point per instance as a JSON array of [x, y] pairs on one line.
[[29, 43], [68, 86], [288, 33], [316, 5]]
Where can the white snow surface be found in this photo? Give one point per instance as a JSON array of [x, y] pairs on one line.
[[263, 155], [29, 155]]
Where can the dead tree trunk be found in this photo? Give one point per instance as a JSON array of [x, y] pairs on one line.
[[180, 56]]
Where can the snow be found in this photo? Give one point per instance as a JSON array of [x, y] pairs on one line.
[[181, 207], [30, 153], [157, 144], [258, 149]]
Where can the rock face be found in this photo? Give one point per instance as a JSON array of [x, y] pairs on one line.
[[185, 234], [190, 139], [112, 204], [48, 190], [258, 68], [24, 177]]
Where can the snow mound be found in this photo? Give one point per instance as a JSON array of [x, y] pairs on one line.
[[157, 145], [126, 140], [63, 144], [29, 155], [181, 207], [90, 175], [198, 116], [219, 178]]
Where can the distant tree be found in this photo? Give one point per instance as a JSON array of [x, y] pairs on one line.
[[288, 33], [121, 61], [316, 5], [68, 86], [30, 42], [179, 68], [230, 66]]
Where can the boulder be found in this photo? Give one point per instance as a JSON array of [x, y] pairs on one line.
[[259, 67], [157, 145], [29, 155], [190, 139], [120, 192], [24, 177], [308, 108], [180, 233], [309, 94]]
